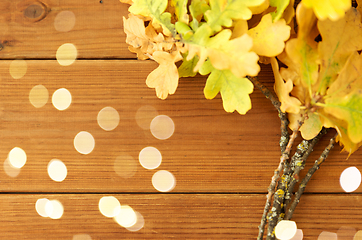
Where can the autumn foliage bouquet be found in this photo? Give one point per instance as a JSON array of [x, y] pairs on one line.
[[318, 43]]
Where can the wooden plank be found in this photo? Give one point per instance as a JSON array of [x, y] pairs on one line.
[[167, 216], [28, 28], [210, 151]]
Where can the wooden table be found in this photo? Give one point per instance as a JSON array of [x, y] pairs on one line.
[[222, 162]]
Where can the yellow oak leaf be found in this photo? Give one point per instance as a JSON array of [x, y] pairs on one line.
[[140, 54], [261, 8], [282, 89], [359, 7], [301, 53], [289, 12], [165, 77], [298, 91], [331, 9], [269, 37], [130, 2], [339, 40], [330, 121], [349, 109], [349, 78], [135, 30], [235, 54], [240, 28], [311, 126]]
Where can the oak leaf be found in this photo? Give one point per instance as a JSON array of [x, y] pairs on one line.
[[130, 2], [329, 121], [196, 45], [234, 90], [180, 7], [280, 5], [301, 53], [339, 40], [311, 127], [331, 9], [135, 30], [349, 77], [235, 54], [155, 9], [165, 77], [349, 109], [269, 37], [222, 12], [282, 89], [186, 69]]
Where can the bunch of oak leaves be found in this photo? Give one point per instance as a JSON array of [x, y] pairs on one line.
[[319, 43]]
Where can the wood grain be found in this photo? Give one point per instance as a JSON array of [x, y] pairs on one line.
[[171, 216], [98, 31], [210, 151], [222, 161]]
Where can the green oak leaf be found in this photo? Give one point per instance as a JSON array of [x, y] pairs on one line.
[[349, 109], [155, 10], [181, 10], [281, 5], [186, 69], [234, 90], [223, 12]]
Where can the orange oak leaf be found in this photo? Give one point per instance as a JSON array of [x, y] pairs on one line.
[[165, 77]]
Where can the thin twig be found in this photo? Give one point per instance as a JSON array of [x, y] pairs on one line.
[[298, 162], [284, 138], [309, 175], [271, 188], [285, 148]]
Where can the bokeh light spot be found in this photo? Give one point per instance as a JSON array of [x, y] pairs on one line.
[[327, 236], [163, 181], [82, 237], [109, 206], [139, 223], [125, 166], [108, 118], [38, 96], [285, 230], [10, 170], [298, 235], [54, 209], [66, 54], [61, 99], [350, 179], [57, 170], [18, 68], [17, 157], [150, 158], [358, 235], [40, 207], [162, 127], [127, 217], [84, 142], [64, 21], [346, 232], [144, 116]]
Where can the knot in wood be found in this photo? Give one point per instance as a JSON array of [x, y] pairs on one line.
[[34, 10]]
